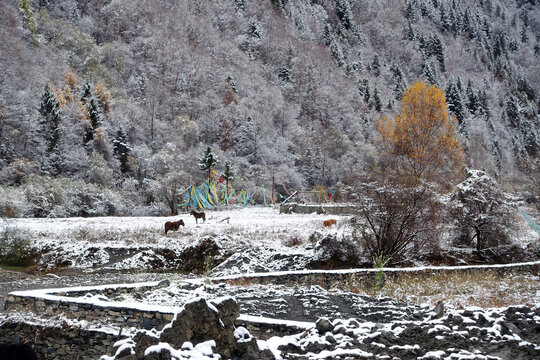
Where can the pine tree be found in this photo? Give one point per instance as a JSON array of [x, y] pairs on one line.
[[428, 72], [453, 99], [473, 104], [208, 161], [328, 37], [376, 66], [399, 82], [94, 113], [228, 175], [524, 35], [121, 149], [437, 50], [344, 13], [444, 21], [239, 5], [335, 53], [50, 111], [409, 32], [512, 111], [232, 83], [423, 46], [141, 88], [255, 28], [410, 11], [484, 103], [377, 100], [86, 92], [363, 88], [459, 86]]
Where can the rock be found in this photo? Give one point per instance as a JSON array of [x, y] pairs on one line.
[[143, 340], [323, 325], [228, 310], [200, 321], [163, 283], [438, 312]]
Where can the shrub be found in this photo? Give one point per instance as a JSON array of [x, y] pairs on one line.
[[16, 248], [396, 220], [482, 212], [334, 253]]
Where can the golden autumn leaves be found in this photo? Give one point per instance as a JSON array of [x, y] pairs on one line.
[[420, 143]]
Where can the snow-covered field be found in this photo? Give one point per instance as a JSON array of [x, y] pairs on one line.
[[139, 243]]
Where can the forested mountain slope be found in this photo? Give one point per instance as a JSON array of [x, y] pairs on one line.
[[126, 95]]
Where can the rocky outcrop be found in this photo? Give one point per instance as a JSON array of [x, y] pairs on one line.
[[208, 325], [511, 333]]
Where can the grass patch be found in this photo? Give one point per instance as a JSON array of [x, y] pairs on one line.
[[461, 289]]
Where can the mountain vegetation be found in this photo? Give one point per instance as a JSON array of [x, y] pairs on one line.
[[105, 106]]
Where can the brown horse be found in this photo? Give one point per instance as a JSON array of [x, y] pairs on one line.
[[198, 215], [173, 225], [329, 223]]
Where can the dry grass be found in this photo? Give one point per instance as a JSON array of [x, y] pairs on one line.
[[461, 289]]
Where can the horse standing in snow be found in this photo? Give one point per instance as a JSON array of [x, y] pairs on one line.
[[173, 225], [329, 223], [198, 215]]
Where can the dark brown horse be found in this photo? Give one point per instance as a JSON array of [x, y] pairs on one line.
[[173, 225], [198, 215]]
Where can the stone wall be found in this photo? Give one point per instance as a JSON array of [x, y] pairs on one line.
[[346, 279], [119, 316], [329, 209], [59, 343], [66, 342]]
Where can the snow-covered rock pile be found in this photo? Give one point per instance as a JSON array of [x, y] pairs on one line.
[[474, 333], [208, 325]]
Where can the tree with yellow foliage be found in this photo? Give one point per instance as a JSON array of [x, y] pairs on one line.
[[420, 143], [400, 211]]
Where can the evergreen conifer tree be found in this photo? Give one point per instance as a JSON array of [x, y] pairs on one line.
[[484, 103], [472, 104], [208, 161], [399, 82], [453, 99], [50, 111], [376, 66], [363, 88], [121, 149], [86, 92], [377, 100], [228, 175], [428, 72], [409, 32], [94, 113], [437, 50], [344, 13], [444, 20]]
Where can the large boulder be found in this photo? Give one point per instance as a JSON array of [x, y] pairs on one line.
[[201, 321], [207, 325]]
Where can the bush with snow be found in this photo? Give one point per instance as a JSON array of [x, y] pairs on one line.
[[482, 212]]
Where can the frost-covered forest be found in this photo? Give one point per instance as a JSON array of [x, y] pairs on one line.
[[105, 106]]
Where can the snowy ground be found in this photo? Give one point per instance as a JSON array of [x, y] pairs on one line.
[[120, 243], [393, 321]]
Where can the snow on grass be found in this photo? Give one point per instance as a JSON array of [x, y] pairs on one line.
[[82, 242]]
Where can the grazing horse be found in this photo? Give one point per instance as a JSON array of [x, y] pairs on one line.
[[329, 223], [198, 215], [173, 225]]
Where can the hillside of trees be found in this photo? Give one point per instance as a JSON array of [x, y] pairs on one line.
[[105, 106]]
